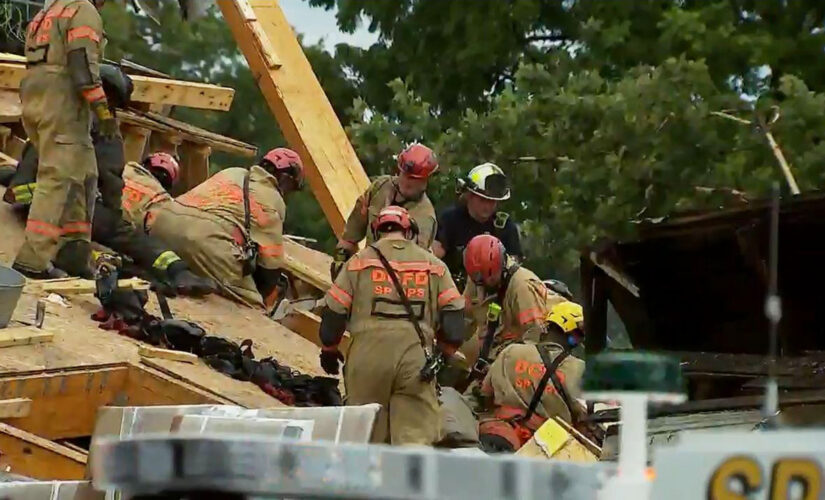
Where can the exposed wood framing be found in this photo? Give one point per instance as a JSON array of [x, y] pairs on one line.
[[148, 89], [32, 456], [296, 258], [15, 408], [159, 123], [10, 107], [64, 402], [134, 141], [297, 100], [194, 166], [166, 142]]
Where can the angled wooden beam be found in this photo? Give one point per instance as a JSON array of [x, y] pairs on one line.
[[148, 89], [134, 141], [298, 102], [32, 456]]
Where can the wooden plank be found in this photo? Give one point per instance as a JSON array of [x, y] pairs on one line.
[[134, 140], [149, 386], [307, 324], [194, 166], [155, 352], [159, 123], [303, 111], [79, 286], [148, 89], [24, 335], [29, 455], [15, 408], [7, 160], [65, 402], [308, 265], [10, 107], [161, 366]]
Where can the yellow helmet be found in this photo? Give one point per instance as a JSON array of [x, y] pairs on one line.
[[567, 315]]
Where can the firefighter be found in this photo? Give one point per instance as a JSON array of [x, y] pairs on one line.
[[110, 229], [511, 411], [147, 184], [475, 213], [494, 276], [230, 227], [407, 189], [64, 47], [387, 352]]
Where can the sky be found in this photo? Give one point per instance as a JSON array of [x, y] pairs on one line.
[[317, 24]]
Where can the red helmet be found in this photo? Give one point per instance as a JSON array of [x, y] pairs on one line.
[[417, 161], [164, 162], [288, 160], [484, 260], [392, 215]]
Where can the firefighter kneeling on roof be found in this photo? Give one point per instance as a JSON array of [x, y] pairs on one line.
[[532, 381], [230, 227], [393, 297]]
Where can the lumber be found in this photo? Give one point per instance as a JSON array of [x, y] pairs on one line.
[[10, 106], [305, 266], [134, 140], [299, 104], [24, 335], [156, 122], [148, 89], [7, 160], [307, 324], [29, 455], [194, 166], [79, 286], [156, 352], [15, 408]]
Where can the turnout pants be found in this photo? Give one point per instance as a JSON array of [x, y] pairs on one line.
[[383, 367], [210, 245], [57, 122]]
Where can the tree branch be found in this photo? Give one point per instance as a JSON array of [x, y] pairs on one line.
[[545, 38]]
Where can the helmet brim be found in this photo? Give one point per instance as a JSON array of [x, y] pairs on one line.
[[505, 196]]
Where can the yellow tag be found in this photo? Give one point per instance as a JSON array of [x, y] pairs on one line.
[[551, 437]]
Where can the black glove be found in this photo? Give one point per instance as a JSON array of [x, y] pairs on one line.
[[329, 360], [341, 257]]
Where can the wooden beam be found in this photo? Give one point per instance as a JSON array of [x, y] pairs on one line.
[[155, 352], [148, 89], [159, 123], [10, 107], [194, 166], [165, 142], [307, 265], [15, 408], [65, 402], [298, 102], [146, 385], [79, 286], [134, 141], [307, 324], [32, 456], [24, 335]]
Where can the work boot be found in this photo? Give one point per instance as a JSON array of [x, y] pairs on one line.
[[75, 258], [187, 283], [50, 273]]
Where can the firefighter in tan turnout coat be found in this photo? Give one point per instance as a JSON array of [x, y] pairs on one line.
[[230, 227], [64, 47], [511, 410], [385, 357], [407, 189]]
